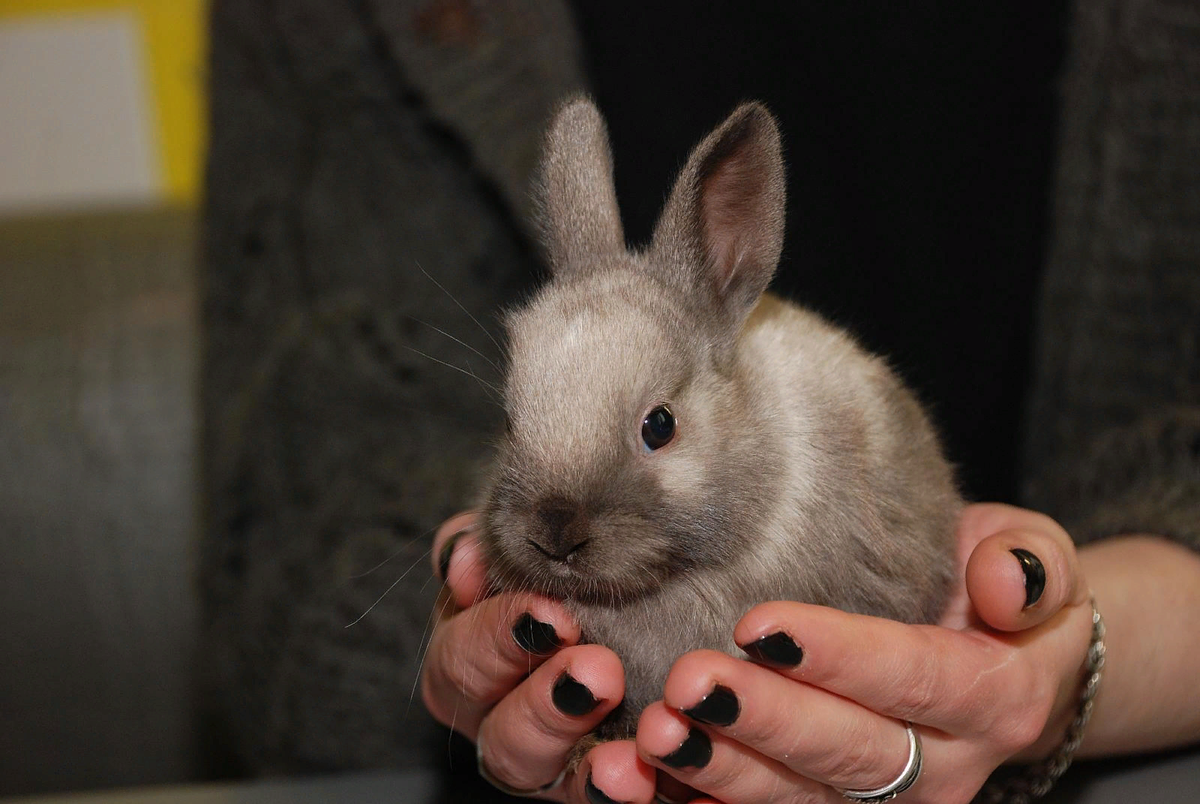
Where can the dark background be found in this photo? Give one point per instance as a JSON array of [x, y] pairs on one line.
[[919, 139]]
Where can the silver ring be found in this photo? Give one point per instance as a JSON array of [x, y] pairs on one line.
[[906, 779], [512, 791]]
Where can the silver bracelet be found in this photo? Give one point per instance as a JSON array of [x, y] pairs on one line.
[[1037, 779]]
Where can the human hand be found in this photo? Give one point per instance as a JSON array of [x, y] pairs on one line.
[[505, 671], [824, 706]]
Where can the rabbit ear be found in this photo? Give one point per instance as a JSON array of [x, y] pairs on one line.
[[576, 198], [721, 231]]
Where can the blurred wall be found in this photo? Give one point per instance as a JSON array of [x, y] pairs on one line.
[[97, 431], [101, 102], [100, 160]]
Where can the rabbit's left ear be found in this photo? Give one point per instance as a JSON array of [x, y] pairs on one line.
[[577, 202], [721, 231]]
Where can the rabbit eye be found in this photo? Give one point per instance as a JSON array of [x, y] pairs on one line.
[[658, 428]]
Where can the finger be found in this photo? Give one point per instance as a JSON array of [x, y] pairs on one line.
[[1022, 576], [458, 560], [612, 772], [1017, 579], [479, 655], [813, 733], [718, 765], [923, 674], [526, 740]]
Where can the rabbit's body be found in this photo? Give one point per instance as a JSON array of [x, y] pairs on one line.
[[683, 446]]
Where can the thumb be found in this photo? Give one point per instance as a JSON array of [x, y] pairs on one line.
[[1022, 576]]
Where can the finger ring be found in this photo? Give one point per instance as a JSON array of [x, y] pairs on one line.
[[512, 791], [906, 779]]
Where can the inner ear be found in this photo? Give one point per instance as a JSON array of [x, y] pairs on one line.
[[721, 231], [735, 203]]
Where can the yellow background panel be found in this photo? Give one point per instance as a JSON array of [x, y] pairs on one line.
[[175, 52]]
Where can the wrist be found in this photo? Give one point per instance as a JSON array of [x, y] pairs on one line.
[[1038, 778], [1078, 634]]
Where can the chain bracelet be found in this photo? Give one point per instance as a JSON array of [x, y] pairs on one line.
[[1037, 779]]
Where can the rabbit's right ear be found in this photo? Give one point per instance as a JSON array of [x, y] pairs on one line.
[[721, 232], [577, 201]]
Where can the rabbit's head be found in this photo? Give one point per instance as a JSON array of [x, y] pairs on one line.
[[634, 449]]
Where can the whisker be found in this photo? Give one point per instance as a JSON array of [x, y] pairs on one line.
[[435, 616], [459, 369], [393, 585], [407, 544], [491, 394], [460, 306], [459, 341]]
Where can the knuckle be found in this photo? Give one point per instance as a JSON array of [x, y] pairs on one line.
[[473, 685], [1023, 733], [914, 699], [1024, 719], [455, 683], [1023, 729], [858, 758], [517, 756], [919, 687], [505, 767]]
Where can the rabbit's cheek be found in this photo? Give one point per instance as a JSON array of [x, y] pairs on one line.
[[682, 476]]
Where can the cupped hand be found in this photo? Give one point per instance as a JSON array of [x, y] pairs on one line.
[[505, 671], [823, 704]]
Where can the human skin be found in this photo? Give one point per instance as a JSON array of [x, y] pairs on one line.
[[994, 681]]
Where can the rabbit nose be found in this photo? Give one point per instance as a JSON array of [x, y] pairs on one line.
[[564, 529]]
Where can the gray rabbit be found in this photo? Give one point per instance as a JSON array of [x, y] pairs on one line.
[[681, 445]]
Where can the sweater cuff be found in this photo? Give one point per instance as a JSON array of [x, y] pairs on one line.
[[1142, 478]]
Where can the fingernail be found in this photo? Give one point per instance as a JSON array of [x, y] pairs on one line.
[[594, 794], [535, 636], [719, 708], [777, 649], [447, 553], [1035, 575], [695, 752], [571, 697]]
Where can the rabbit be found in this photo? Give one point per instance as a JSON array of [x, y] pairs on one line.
[[681, 445]]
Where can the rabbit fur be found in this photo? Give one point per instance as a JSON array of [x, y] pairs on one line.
[[800, 467]]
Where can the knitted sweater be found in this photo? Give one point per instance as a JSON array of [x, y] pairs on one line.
[[367, 183], [1114, 421]]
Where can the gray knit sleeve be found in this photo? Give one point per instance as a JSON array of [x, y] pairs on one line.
[[366, 194], [1114, 422]]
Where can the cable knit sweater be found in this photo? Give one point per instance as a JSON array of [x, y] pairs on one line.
[[367, 183], [1114, 421]]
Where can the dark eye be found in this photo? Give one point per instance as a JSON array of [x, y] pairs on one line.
[[658, 428]]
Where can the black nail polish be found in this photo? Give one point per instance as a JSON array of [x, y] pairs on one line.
[[446, 553], [695, 752], [777, 649], [1035, 575], [719, 708], [535, 636], [571, 697], [594, 794]]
